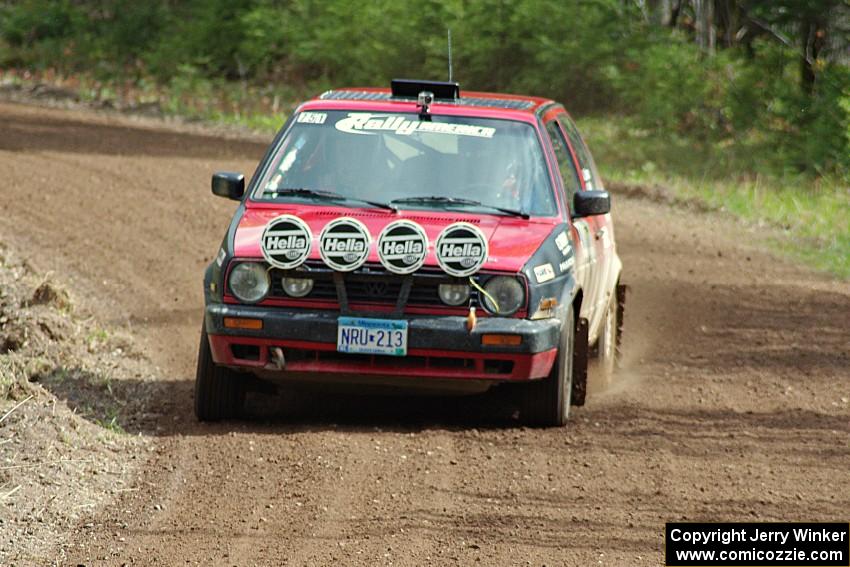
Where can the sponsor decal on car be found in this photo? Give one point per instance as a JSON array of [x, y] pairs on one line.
[[562, 241], [566, 264], [344, 244], [588, 179], [461, 249], [368, 123], [286, 242], [402, 247], [583, 230], [312, 118], [544, 273]]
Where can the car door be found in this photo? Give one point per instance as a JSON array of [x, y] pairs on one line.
[[600, 226], [585, 251]]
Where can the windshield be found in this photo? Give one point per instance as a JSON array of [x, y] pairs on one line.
[[441, 162]]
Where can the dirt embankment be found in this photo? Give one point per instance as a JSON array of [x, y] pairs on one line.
[[64, 450], [733, 403]]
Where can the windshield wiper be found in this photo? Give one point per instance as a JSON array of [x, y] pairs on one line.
[[326, 195], [457, 201]]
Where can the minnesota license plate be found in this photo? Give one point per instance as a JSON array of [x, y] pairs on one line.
[[372, 336]]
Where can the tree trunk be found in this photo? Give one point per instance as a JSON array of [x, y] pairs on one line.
[[706, 34], [812, 40], [836, 48], [659, 11], [729, 20], [675, 10]]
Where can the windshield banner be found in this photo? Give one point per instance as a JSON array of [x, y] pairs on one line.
[[368, 123]]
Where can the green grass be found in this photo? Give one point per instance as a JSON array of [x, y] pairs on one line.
[[97, 336], [813, 213], [110, 421], [187, 96]]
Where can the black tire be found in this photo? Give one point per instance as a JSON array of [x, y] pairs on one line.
[[547, 401], [607, 343], [219, 391]]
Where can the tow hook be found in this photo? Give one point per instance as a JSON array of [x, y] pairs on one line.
[[278, 361], [471, 320]]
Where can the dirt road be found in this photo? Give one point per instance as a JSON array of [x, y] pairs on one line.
[[733, 404]]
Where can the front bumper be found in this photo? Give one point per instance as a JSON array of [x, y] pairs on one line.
[[438, 346]]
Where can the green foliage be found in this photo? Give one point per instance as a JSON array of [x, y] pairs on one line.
[[546, 47], [826, 128], [749, 103], [37, 32], [671, 88], [803, 132], [202, 34], [106, 37], [813, 214], [600, 56]]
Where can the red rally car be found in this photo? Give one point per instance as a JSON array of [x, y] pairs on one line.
[[416, 237]]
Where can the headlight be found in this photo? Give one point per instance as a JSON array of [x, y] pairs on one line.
[[297, 287], [508, 293], [249, 281], [453, 294]]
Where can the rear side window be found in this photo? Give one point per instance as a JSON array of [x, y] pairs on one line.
[[569, 175]]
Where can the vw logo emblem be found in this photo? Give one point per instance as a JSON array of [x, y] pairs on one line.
[[376, 289]]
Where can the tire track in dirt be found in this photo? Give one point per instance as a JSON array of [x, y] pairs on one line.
[[733, 404]]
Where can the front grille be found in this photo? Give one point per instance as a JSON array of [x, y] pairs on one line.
[[369, 285]]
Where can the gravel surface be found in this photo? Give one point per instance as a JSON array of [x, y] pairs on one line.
[[733, 403]]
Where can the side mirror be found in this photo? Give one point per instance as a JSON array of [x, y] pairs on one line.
[[228, 184], [589, 203]]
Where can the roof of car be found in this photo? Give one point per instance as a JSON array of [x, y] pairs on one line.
[[528, 104]]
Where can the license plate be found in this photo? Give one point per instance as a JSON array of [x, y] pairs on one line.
[[372, 336]]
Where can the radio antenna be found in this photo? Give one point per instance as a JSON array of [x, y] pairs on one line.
[[449, 30]]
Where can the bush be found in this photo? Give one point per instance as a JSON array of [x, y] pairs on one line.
[[597, 57]]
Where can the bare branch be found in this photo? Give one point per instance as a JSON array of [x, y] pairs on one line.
[[19, 404]]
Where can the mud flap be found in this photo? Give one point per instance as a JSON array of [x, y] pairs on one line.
[[621, 309], [580, 356]]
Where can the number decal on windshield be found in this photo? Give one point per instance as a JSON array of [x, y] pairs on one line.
[[312, 118]]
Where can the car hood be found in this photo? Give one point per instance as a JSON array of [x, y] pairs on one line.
[[512, 240]]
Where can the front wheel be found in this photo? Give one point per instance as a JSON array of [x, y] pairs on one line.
[[547, 401], [219, 391]]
